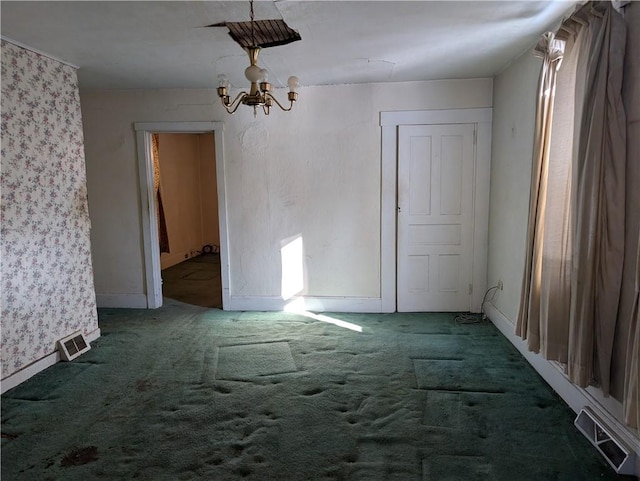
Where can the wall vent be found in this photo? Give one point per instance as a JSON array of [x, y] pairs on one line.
[[72, 346], [614, 451]]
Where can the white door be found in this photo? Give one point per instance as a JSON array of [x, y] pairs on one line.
[[436, 166]]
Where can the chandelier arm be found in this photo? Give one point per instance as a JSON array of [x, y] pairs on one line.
[[233, 106], [268, 95]]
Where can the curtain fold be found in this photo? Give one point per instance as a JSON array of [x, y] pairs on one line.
[[527, 326], [599, 162]]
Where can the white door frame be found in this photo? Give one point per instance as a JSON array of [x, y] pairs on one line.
[[389, 121], [151, 246]]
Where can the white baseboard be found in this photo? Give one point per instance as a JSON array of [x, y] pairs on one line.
[[12, 380], [169, 260], [576, 397], [130, 301], [314, 304]]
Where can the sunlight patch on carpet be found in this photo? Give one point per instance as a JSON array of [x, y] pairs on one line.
[[332, 320], [297, 306], [244, 362]]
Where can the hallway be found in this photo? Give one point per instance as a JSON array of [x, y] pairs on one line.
[[195, 281]]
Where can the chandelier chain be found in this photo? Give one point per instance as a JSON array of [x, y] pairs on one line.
[[253, 34]]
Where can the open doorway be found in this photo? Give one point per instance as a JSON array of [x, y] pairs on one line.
[[187, 217], [151, 228]]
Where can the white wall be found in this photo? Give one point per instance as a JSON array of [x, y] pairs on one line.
[[514, 112], [312, 173]]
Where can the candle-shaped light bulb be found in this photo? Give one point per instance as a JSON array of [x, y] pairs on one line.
[[293, 83], [223, 81]]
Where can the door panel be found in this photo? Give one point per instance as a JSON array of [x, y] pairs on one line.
[[435, 217]]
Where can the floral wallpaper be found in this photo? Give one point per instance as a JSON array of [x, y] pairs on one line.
[[46, 278]]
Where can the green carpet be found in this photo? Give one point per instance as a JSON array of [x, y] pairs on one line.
[[191, 393]]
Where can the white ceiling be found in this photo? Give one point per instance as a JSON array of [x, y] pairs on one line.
[[163, 44]]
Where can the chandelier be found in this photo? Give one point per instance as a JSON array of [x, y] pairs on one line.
[[259, 94]]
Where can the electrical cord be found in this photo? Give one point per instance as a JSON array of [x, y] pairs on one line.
[[477, 318], [209, 249]]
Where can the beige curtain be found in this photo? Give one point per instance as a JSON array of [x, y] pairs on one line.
[[599, 163], [626, 381], [543, 274], [631, 399], [163, 235], [571, 290]]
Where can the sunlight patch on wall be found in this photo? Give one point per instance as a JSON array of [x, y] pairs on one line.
[[292, 256]]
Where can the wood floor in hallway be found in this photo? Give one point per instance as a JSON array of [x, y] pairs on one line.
[[195, 281]]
